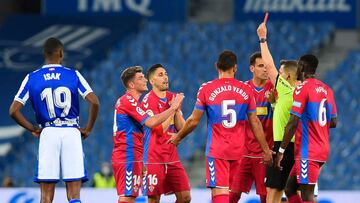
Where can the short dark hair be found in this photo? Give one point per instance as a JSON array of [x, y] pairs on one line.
[[254, 56], [308, 63], [226, 60], [52, 45], [129, 73], [152, 70], [289, 64]]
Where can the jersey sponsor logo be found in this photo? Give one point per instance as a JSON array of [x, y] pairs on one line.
[[140, 111], [261, 111]]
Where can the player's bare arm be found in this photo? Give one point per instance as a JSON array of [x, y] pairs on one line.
[[290, 130], [160, 118], [15, 113], [166, 124], [265, 53], [93, 100], [260, 136], [189, 126], [179, 120]]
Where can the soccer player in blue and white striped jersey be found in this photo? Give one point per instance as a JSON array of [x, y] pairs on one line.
[[54, 94]]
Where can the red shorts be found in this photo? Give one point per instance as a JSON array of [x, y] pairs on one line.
[[306, 171], [128, 178], [251, 169], [165, 178], [221, 173]]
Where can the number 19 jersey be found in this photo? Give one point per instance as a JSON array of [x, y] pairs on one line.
[[226, 102], [54, 94]]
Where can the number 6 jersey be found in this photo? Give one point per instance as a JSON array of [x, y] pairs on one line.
[[226, 102], [54, 94], [314, 104]]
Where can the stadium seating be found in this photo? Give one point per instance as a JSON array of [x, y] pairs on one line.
[[345, 153], [188, 51]]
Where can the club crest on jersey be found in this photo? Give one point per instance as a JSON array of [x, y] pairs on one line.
[[151, 188], [267, 94], [52, 76], [140, 111]]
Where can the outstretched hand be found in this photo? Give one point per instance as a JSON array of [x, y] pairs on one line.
[[174, 139], [176, 102], [262, 30]]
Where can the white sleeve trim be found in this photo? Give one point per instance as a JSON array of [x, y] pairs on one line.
[[21, 89], [85, 84], [20, 100]]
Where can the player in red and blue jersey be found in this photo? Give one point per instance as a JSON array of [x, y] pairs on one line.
[[312, 114], [129, 118], [227, 103], [165, 173], [252, 169]]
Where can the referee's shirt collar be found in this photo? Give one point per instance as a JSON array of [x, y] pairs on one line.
[[51, 66]]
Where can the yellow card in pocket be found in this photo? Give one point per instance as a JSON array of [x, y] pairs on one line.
[[261, 111]]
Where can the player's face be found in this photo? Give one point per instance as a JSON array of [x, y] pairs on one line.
[[259, 69], [140, 82], [160, 80]]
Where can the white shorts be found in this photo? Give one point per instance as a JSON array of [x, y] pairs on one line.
[[60, 148]]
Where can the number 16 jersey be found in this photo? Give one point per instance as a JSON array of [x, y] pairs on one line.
[[226, 102]]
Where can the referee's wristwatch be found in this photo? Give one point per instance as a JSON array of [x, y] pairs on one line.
[[262, 40]]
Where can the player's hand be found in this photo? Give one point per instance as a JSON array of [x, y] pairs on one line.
[[174, 139], [267, 157], [262, 31], [176, 102], [271, 96], [36, 132], [279, 157], [84, 133]]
